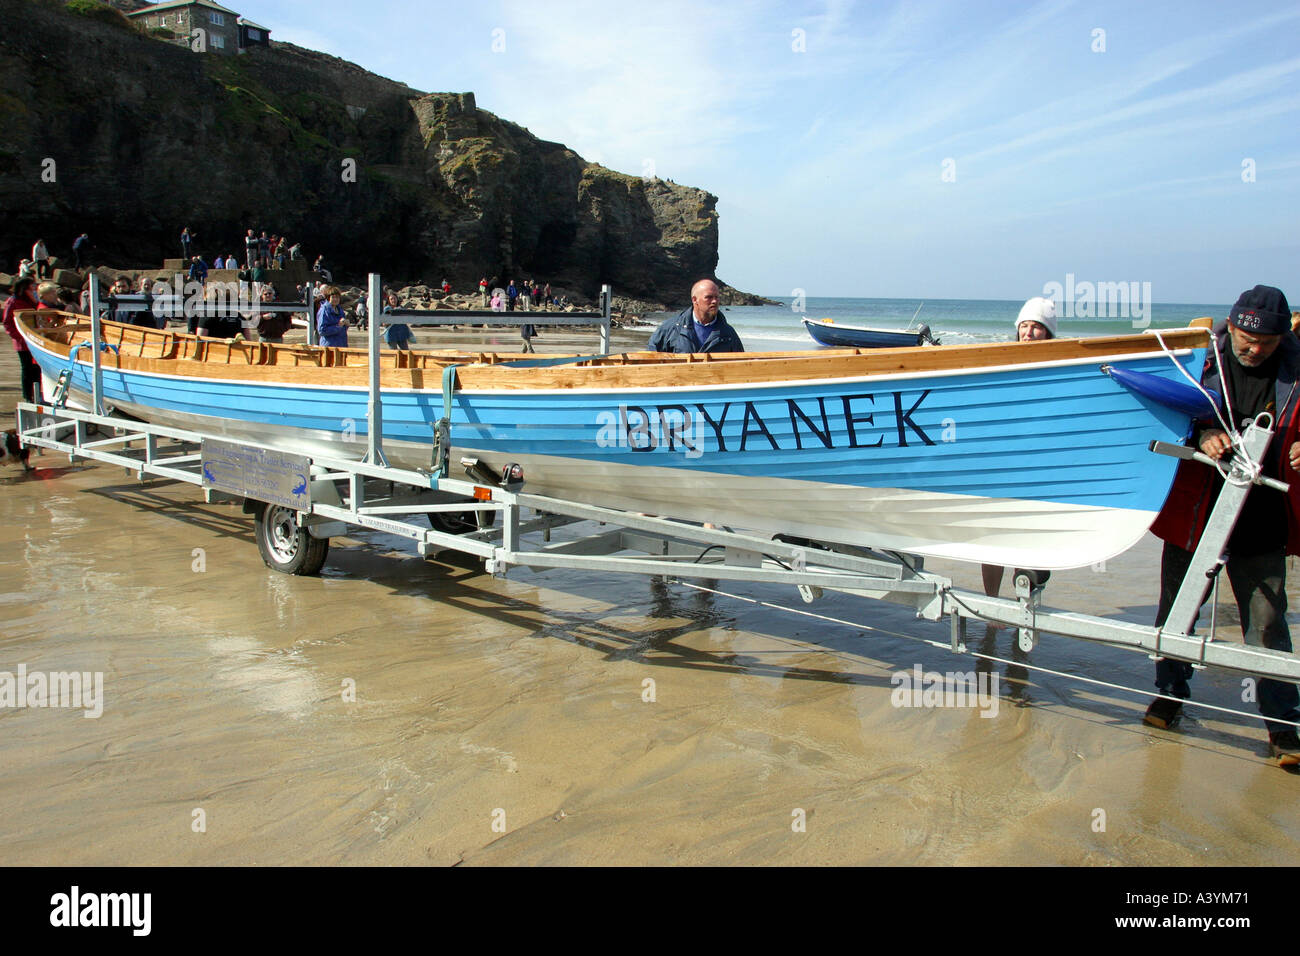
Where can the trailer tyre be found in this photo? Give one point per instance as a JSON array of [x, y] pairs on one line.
[[452, 522], [287, 546], [460, 522]]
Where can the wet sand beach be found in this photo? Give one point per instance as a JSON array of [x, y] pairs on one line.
[[505, 720]]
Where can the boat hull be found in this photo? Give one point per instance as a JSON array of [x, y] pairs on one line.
[[1040, 465], [853, 337]]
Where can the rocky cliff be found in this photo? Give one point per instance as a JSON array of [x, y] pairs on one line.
[[109, 131]]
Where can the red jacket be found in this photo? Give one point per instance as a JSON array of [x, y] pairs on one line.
[[1186, 510], [16, 304]]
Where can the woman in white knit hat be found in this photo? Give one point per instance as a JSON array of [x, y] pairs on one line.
[[1036, 322]]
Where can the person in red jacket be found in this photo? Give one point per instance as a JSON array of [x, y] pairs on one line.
[[22, 299], [1260, 373]]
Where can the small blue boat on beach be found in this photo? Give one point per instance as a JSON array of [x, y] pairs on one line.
[[832, 335], [1021, 454]]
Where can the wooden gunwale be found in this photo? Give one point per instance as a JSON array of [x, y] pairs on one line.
[[177, 353]]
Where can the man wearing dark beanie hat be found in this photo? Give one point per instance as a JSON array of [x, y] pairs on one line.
[[1260, 373]]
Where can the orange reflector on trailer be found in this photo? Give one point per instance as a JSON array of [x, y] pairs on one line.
[[482, 494]]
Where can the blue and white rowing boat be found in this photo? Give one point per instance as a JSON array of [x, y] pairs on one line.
[[1021, 454], [828, 333]]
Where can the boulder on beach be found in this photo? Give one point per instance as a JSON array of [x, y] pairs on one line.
[[68, 278]]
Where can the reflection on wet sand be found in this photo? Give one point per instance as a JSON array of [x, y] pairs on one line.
[[403, 711], [1014, 675]]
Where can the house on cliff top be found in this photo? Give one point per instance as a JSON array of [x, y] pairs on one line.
[[222, 29]]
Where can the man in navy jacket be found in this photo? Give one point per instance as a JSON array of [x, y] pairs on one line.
[[698, 328]]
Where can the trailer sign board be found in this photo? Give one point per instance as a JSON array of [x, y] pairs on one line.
[[259, 473]]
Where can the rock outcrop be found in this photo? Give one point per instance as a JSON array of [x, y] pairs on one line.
[[106, 130]]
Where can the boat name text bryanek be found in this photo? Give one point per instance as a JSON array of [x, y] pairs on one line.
[[639, 428]]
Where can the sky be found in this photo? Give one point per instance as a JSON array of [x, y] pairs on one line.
[[971, 149]]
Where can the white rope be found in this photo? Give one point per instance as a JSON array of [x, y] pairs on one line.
[[988, 657], [1252, 468], [1218, 363]]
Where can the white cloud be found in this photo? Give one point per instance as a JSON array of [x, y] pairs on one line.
[[633, 83]]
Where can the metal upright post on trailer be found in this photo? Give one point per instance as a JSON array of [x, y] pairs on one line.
[[375, 408], [1207, 559], [178, 301], [96, 385], [605, 307], [310, 299]]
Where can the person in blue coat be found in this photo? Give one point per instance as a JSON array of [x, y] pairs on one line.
[[331, 320], [399, 334], [701, 327]]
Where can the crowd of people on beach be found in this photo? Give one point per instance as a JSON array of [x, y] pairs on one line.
[[512, 297], [268, 251], [260, 249], [264, 251]]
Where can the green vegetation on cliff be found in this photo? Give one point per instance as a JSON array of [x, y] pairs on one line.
[[98, 10]]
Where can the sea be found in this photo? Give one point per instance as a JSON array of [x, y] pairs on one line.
[[771, 328]]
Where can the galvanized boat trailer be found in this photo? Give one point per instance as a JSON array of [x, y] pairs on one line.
[[491, 517]]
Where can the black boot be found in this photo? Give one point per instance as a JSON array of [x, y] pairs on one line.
[[1164, 713], [1284, 746]]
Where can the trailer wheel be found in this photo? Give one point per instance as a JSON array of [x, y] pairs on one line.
[[285, 545], [459, 522]]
